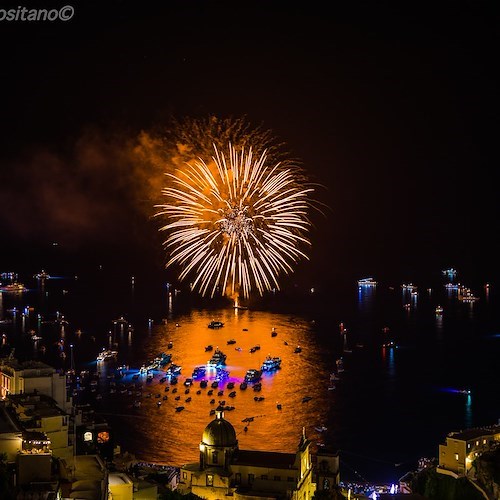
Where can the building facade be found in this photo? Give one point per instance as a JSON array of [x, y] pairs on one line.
[[224, 469], [30, 376], [459, 451]]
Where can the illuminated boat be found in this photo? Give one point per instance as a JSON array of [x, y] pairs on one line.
[[253, 375], [408, 286], [466, 295], [464, 391], [173, 370], [439, 310], [106, 355], [450, 273], [218, 359], [452, 286], [271, 363], [199, 372], [367, 282], [215, 324], [13, 288], [42, 275]]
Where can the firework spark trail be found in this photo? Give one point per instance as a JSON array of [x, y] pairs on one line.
[[235, 223]]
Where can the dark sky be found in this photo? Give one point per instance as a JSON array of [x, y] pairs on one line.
[[392, 106]]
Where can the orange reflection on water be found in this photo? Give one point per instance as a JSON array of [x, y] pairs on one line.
[[160, 434]]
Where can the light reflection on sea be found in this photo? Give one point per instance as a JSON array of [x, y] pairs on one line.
[[163, 435]]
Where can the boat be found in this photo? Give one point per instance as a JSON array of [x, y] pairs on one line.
[[334, 377], [450, 273], [452, 286], [367, 282], [297, 349], [464, 391], [243, 385], [305, 399], [215, 324], [173, 370], [13, 288], [439, 310], [42, 275], [321, 428], [408, 286], [218, 359], [255, 348], [389, 345], [271, 363], [221, 375], [199, 372], [209, 348], [231, 341], [253, 375], [340, 365], [107, 354], [179, 408]]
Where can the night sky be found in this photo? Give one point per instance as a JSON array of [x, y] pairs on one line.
[[393, 109]]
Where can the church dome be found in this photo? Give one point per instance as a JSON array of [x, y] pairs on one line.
[[219, 432]]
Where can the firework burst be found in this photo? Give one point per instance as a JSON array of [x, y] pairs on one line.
[[236, 222]]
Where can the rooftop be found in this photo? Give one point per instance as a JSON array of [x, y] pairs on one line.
[[268, 459]]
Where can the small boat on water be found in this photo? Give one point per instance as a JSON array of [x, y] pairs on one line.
[[199, 372], [231, 341], [439, 310], [13, 288], [253, 375], [340, 365], [255, 348], [218, 359], [305, 399], [297, 349], [215, 324], [42, 275], [209, 348], [107, 354], [271, 363], [321, 428], [179, 408], [367, 282], [243, 385]]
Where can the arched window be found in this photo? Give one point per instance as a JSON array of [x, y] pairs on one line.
[[215, 456]]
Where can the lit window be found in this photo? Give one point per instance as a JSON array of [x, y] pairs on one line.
[[468, 446], [484, 441], [103, 437], [210, 479], [477, 443], [456, 456], [184, 475], [87, 436]]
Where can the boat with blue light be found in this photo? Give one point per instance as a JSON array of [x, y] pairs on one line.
[[367, 282], [271, 363]]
